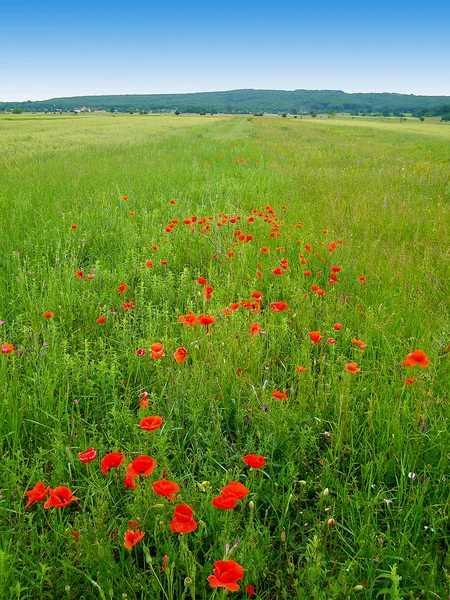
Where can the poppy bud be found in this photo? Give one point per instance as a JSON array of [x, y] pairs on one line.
[[325, 492], [188, 581], [358, 588], [283, 535], [331, 522], [302, 482], [158, 506], [251, 505]]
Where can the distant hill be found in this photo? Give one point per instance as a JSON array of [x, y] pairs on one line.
[[245, 101]]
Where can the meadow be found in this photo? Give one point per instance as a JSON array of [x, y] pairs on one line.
[[255, 285]]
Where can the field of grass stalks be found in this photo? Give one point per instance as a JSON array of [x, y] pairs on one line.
[[343, 228]]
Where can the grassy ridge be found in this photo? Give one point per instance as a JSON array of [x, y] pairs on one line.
[[72, 383]]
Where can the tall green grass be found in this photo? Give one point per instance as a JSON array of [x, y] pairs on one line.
[[378, 447]]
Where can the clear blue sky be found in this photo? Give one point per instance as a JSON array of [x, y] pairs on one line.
[[52, 49]]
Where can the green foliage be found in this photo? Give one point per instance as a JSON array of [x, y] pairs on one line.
[[361, 448]]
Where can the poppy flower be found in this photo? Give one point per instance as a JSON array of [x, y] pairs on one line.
[[225, 501], [100, 320], [188, 319], [141, 352], [418, 357], [142, 465], [7, 348], [149, 263], [336, 269], [164, 262], [409, 381], [254, 329], [202, 281], [249, 590], [278, 271], [279, 395], [151, 423], [301, 369], [79, 274], [307, 273], [111, 461], [265, 250], [122, 288], [254, 460], [125, 198], [88, 455], [278, 306], [157, 351], [315, 337], [59, 497], [256, 295], [38, 493], [165, 488], [226, 574], [352, 367], [172, 201], [337, 326], [127, 305], [331, 341], [235, 488], [206, 320], [129, 482], [49, 315], [362, 278], [180, 355], [183, 521], [132, 538]]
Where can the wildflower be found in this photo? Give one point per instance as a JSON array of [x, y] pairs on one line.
[[409, 381], [206, 320], [278, 306], [49, 315], [265, 250], [73, 226], [337, 326], [172, 201], [418, 357], [253, 460], [157, 351], [122, 288], [315, 337], [38, 493], [301, 369], [165, 488], [235, 488], [226, 574], [141, 352], [100, 320], [278, 271], [132, 538], [111, 461], [164, 262], [142, 465], [129, 482], [165, 561], [239, 372], [352, 367], [7, 348], [59, 497], [225, 501], [331, 341], [279, 395], [151, 423], [180, 355], [124, 198], [249, 590], [336, 269], [359, 343], [202, 281], [183, 521], [306, 273], [256, 295], [79, 274], [88, 455], [362, 277], [188, 319], [127, 305], [254, 329], [149, 263]]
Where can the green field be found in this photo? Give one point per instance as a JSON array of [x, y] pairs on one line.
[[354, 498]]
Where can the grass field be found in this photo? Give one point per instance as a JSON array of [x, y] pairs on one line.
[[353, 500]]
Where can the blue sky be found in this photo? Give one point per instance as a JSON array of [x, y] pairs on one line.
[[51, 49]]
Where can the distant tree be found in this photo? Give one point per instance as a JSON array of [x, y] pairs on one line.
[[284, 115], [18, 110], [313, 114], [177, 112], [111, 110], [421, 119], [385, 112], [331, 114]]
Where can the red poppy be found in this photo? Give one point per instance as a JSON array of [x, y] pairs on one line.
[[225, 501], [180, 355], [157, 351], [132, 538], [418, 357], [336, 269], [129, 482], [141, 352], [125, 198], [49, 315], [235, 488], [172, 201], [278, 271], [165, 488], [149, 263], [111, 461], [7, 348], [164, 262], [337, 326], [362, 278], [88, 455], [151, 423], [127, 305], [74, 226], [307, 273], [352, 367], [279, 395], [278, 306], [254, 329], [249, 590], [122, 288], [183, 521], [59, 497], [226, 574], [189, 319], [202, 281], [38, 493], [254, 460], [409, 381], [239, 372], [359, 343], [100, 320], [142, 465], [206, 320], [315, 337], [79, 274], [265, 250], [301, 369]]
